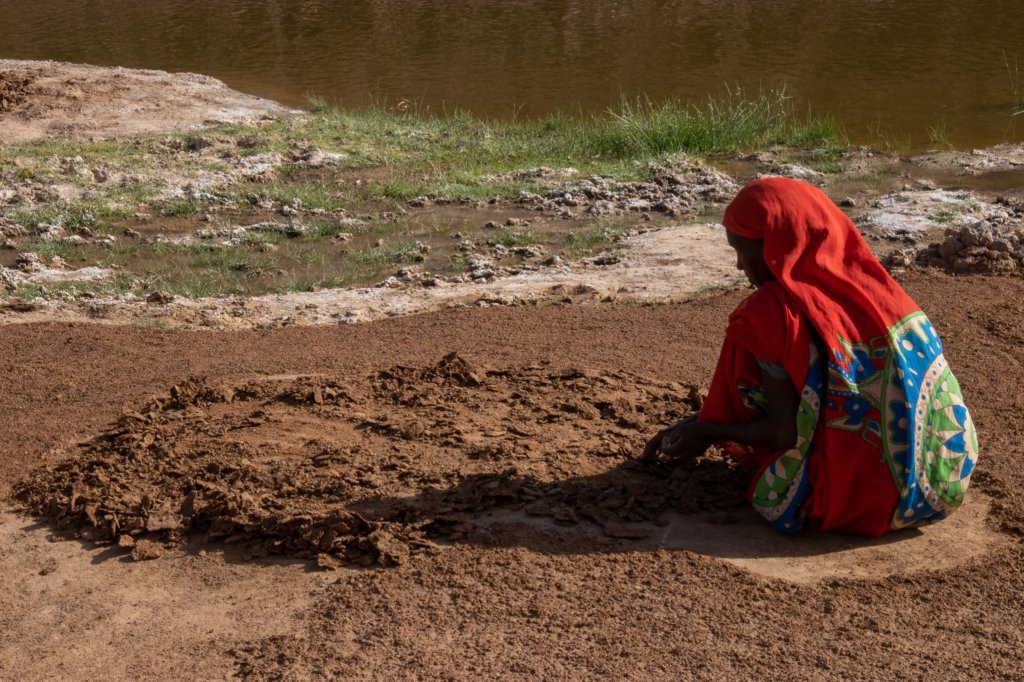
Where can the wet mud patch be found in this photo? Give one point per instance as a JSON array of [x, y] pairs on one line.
[[369, 469]]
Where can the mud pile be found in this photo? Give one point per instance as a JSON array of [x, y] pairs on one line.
[[366, 469], [675, 191], [992, 245], [13, 90], [677, 188], [976, 236]]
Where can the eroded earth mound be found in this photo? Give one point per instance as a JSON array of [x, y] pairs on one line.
[[13, 90], [367, 469]]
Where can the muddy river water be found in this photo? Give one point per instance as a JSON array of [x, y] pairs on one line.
[[889, 69]]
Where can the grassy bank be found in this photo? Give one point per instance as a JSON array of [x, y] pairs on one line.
[[349, 175], [459, 155]]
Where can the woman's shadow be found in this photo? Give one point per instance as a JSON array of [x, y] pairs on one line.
[[698, 506]]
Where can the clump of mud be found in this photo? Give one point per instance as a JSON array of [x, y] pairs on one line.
[[683, 187], [988, 241], [675, 192], [367, 469], [989, 246], [13, 90]]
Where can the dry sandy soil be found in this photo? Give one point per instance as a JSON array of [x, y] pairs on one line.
[[41, 99], [488, 500], [453, 494]]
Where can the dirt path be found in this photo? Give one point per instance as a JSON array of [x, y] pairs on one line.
[[502, 597]]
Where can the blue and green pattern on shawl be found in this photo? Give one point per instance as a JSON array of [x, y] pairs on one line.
[[898, 392], [780, 491]]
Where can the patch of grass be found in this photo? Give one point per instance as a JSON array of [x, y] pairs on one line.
[[402, 189], [588, 242], [364, 265], [310, 194], [938, 136], [51, 248], [877, 177], [381, 256], [389, 154], [317, 104], [827, 166], [323, 228], [119, 285], [728, 123], [27, 292], [1016, 85], [457, 155], [122, 251], [32, 218], [888, 141], [181, 207], [509, 238], [459, 262], [198, 270], [41, 153], [949, 212], [73, 217]]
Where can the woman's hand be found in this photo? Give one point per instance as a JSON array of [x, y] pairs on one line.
[[685, 438], [686, 441]]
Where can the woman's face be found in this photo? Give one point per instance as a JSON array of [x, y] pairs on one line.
[[750, 259]]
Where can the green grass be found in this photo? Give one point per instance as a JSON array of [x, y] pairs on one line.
[[728, 123], [389, 156], [376, 257], [1016, 85], [457, 155], [588, 242], [47, 249], [73, 217], [510, 239], [888, 141], [938, 136], [459, 262], [309, 193], [407, 153], [119, 285], [317, 104], [181, 207], [827, 166]]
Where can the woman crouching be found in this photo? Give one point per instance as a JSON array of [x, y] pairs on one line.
[[831, 384]]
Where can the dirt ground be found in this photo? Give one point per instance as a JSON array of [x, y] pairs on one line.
[[494, 523], [40, 99]]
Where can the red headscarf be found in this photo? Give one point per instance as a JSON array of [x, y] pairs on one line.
[[819, 258]]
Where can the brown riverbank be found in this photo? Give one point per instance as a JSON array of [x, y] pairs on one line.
[[44, 99], [505, 598]]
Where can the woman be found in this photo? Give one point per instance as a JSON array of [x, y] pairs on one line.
[[831, 384]]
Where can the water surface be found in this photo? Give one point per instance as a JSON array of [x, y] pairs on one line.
[[889, 69]]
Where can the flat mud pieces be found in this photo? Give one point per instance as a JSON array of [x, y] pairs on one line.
[[365, 469]]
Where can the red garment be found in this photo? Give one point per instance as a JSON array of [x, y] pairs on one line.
[[828, 281]]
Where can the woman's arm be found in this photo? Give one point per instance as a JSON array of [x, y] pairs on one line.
[[775, 431]]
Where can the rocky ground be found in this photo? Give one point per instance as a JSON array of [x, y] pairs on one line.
[[253, 487]]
